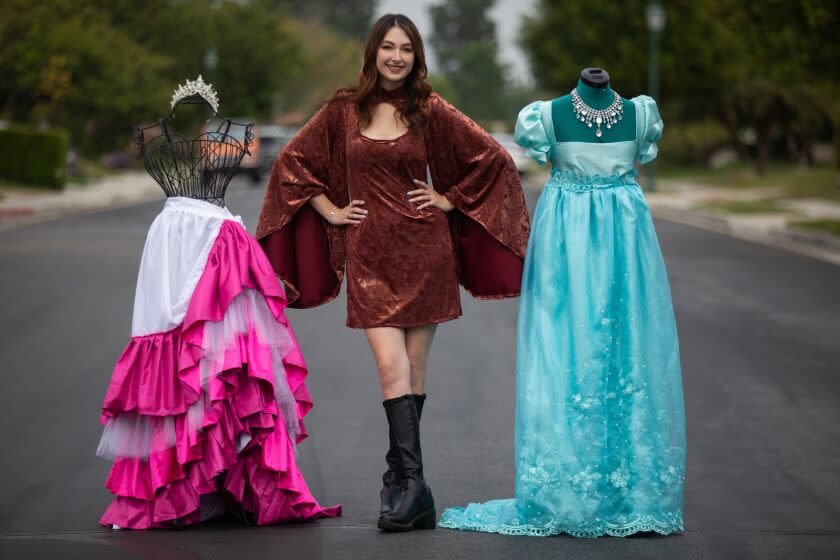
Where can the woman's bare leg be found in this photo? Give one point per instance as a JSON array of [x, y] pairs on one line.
[[418, 343], [389, 350]]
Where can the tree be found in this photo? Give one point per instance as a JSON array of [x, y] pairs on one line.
[[65, 65], [443, 87], [480, 82], [748, 65], [97, 67], [258, 51], [455, 25], [332, 61], [464, 39], [353, 19], [259, 54]]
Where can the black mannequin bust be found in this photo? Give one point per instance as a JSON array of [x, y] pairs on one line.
[[199, 167]]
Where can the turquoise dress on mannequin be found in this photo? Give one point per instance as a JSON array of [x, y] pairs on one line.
[[600, 422]]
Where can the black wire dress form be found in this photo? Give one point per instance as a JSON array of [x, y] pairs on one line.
[[191, 428], [199, 168]]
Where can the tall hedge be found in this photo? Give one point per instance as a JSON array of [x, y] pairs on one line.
[[835, 117], [35, 157]]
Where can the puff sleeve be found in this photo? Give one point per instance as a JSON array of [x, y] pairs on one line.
[[530, 132], [649, 128]]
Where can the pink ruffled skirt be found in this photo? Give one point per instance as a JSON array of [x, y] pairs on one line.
[[206, 403]]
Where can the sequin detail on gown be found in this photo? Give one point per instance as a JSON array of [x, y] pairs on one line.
[[600, 425]]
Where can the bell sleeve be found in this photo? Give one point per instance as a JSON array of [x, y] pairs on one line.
[[490, 223], [307, 253], [649, 127], [530, 132]]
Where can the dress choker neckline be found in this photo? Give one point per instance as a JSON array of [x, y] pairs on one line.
[[396, 94]]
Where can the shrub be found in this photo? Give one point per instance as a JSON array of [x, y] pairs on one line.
[[693, 142], [35, 157]]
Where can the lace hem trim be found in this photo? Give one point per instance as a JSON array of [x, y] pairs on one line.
[[674, 524], [578, 182]]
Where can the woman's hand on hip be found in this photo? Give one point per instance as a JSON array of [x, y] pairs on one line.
[[350, 215], [428, 196]]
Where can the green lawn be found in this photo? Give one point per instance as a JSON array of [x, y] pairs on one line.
[[795, 182], [763, 206], [89, 171], [6, 185], [828, 226]]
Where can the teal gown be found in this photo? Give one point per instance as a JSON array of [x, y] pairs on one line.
[[600, 422]]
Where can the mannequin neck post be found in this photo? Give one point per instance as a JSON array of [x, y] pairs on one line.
[[597, 98]]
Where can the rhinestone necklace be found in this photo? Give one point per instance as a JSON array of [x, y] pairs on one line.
[[588, 115]]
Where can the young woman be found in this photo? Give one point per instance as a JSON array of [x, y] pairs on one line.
[[350, 192]]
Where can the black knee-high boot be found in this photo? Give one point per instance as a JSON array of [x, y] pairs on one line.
[[392, 480], [416, 506]]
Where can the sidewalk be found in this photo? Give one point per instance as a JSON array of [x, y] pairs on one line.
[[679, 201], [689, 203], [23, 206]]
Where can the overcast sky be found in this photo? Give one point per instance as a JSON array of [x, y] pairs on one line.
[[507, 14]]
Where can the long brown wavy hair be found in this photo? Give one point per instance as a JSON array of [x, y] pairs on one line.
[[413, 112]]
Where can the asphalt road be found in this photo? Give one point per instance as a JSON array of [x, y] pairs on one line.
[[761, 363]]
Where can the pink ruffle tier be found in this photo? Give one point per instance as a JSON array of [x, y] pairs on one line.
[[159, 376]]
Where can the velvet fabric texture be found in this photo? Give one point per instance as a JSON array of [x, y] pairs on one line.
[[403, 265]]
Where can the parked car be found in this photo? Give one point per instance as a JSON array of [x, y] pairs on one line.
[[250, 162], [272, 138], [517, 153]]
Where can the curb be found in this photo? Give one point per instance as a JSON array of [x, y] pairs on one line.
[[817, 245], [13, 217], [816, 238], [699, 219]]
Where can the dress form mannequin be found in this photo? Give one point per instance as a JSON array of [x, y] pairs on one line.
[[600, 421], [211, 354], [200, 166], [594, 89]]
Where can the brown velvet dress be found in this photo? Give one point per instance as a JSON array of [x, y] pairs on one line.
[[403, 265], [400, 263]]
